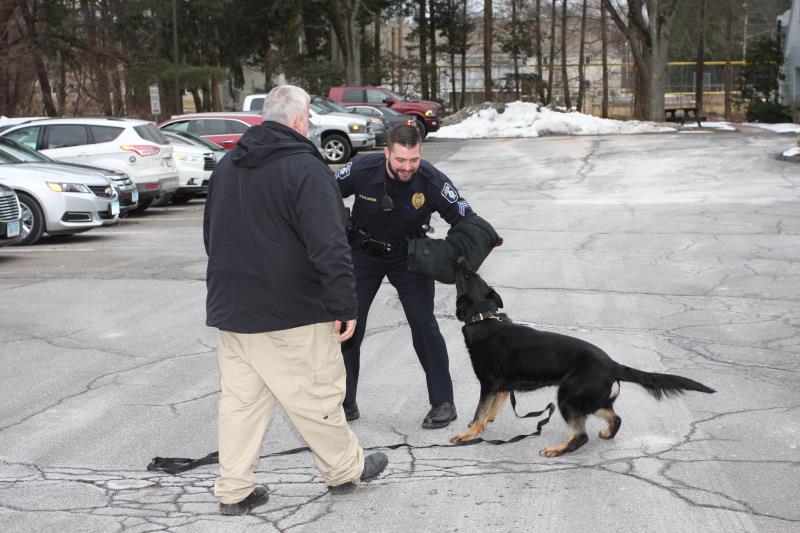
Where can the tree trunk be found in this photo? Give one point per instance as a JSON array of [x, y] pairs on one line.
[[515, 47], [564, 73], [728, 75], [422, 30], [376, 66], [700, 61], [434, 70], [464, 44], [552, 63], [344, 16], [488, 92], [582, 60], [38, 62], [537, 49], [604, 39], [646, 28]]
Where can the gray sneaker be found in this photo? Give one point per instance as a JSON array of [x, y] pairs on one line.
[[259, 496]]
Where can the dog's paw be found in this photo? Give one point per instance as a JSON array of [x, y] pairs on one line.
[[550, 452], [462, 437]]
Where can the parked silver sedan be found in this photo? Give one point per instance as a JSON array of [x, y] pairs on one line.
[[57, 199], [10, 215]]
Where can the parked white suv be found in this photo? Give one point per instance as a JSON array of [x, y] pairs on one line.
[[342, 134], [135, 147]]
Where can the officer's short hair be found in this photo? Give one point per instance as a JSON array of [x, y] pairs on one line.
[[284, 103], [404, 135]]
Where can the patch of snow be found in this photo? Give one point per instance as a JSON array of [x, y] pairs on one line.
[[786, 127], [524, 119], [792, 152], [724, 126]]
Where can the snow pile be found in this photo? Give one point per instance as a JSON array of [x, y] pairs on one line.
[[792, 152], [777, 128], [523, 119]]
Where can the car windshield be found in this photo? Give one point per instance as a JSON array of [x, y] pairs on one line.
[[149, 132], [330, 104], [319, 110], [21, 154], [395, 95], [391, 112]]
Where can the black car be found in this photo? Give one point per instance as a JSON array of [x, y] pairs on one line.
[[388, 116], [126, 190], [10, 217]]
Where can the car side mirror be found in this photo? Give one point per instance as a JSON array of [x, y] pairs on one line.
[[388, 101]]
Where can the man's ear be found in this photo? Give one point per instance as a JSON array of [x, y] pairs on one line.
[[497, 300]]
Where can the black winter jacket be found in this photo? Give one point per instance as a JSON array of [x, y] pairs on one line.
[[274, 232]]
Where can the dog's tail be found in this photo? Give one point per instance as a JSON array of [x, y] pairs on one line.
[[660, 385]]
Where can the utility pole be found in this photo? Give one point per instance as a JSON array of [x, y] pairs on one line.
[[178, 98]]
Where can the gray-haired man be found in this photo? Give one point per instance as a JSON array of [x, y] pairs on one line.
[[280, 288]]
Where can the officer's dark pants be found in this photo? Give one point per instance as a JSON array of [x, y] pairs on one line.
[[416, 295]]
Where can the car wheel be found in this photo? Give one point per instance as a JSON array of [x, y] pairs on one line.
[[423, 132], [32, 226], [179, 199], [142, 205], [336, 147]]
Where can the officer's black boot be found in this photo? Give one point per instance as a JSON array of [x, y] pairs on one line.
[[440, 416]]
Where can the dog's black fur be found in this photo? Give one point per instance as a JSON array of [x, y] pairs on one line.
[[508, 356]]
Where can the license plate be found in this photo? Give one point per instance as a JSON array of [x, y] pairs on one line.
[[135, 196], [12, 229], [114, 208]]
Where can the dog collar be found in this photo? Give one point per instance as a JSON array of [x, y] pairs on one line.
[[480, 317]]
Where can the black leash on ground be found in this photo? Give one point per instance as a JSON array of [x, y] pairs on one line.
[[176, 465]]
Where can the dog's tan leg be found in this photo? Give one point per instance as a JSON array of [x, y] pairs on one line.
[[577, 438], [480, 420], [499, 402], [614, 422]]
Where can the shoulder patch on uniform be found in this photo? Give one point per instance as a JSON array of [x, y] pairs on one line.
[[343, 172], [462, 207], [450, 193]]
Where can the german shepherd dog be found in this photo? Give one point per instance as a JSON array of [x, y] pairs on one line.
[[511, 357]]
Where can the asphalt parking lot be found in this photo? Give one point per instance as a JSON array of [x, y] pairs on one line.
[[673, 252]]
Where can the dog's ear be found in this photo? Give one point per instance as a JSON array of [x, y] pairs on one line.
[[497, 300]]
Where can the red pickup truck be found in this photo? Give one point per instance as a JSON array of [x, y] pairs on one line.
[[425, 112]]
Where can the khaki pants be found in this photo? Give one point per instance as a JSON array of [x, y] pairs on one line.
[[302, 369]]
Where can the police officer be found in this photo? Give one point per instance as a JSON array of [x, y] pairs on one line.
[[395, 194]]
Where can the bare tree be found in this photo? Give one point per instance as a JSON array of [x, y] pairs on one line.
[[537, 48], [344, 16], [564, 73], [488, 25], [701, 51], [422, 30], [582, 59], [604, 39], [515, 47], [728, 74], [552, 57], [646, 26], [432, 31]]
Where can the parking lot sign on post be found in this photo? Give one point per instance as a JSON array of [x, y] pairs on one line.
[[155, 102]]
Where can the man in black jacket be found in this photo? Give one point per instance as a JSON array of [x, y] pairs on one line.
[[280, 288]]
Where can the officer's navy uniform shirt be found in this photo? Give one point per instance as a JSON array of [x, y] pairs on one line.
[[429, 190]]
